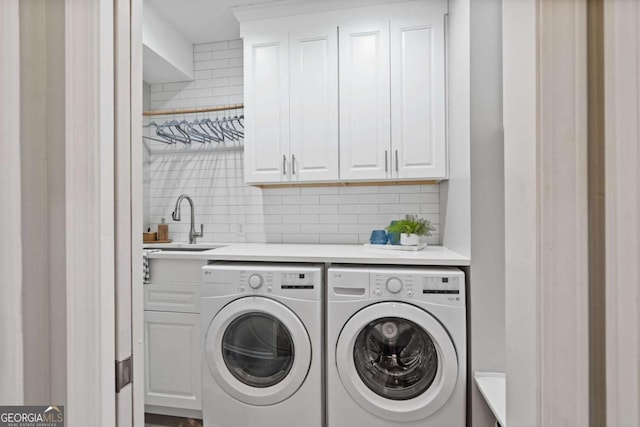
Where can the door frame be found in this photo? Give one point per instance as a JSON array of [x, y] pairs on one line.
[[545, 139], [622, 211], [11, 361], [89, 176]]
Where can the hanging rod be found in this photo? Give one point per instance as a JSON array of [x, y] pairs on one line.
[[191, 110]]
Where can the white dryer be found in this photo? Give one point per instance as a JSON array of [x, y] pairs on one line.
[[262, 340], [396, 347]]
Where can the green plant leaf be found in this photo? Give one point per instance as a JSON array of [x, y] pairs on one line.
[[411, 224]]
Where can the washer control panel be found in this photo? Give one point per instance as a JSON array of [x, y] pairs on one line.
[[448, 288], [441, 285]]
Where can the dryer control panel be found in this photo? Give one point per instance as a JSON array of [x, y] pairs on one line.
[[295, 281]]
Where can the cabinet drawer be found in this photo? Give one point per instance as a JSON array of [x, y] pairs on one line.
[[174, 270], [180, 298]]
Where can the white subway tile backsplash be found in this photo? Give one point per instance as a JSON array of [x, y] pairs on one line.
[[227, 72], [347, 239], [300, 219], [378, 198], [319, 209], [300, 200], [236, 62], [359, 209], [401, 208], [202, 74], [319, 190], [202, 56], [210, 47], [339, 199], [177, 86], [281, 209], [301, 238], [359, 190], [214, 64], [235, 44], [221, 82], [338, 219], [228, 53], [226, 205]]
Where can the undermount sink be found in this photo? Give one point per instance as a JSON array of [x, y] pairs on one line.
[[183, 246], [186, 249]]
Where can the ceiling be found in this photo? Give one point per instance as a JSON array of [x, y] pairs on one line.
[[201, 21]]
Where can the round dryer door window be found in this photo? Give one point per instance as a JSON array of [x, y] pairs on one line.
[[397, 361], [258, 350]]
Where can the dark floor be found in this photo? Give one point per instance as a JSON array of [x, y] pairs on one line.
[[153, 420]]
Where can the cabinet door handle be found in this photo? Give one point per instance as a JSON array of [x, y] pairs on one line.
[[284, 164], [396, 160], [386, 161], [293, 164]]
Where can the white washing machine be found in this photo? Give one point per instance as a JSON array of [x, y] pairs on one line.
[[262, 341], [396, 347]]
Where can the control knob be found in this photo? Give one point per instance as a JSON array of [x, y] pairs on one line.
[[255, 281], [394, 285]]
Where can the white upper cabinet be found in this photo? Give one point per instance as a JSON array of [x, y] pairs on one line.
[[418, 106], [365, 132], [352, 95], [266, 68], [314, 103]]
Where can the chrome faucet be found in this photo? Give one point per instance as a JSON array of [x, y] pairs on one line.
[[176, 217]]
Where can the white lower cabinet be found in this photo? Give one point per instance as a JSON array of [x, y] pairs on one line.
[[172, 347], [173, 360]]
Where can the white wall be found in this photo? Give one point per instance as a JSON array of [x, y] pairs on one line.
[[235, 212], [167, 51], [456, 211], [487, 329]]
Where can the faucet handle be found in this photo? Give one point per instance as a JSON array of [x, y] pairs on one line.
[[201, 233]]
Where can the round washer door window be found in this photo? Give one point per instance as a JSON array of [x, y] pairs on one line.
[[395, 358], [258, 350], [397, 361]]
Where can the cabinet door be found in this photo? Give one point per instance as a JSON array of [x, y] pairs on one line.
[[266, 83], [418, 94], [364, 100], [314, 103], [172, 360]]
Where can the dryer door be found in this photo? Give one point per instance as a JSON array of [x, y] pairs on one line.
[[397, 361], [258, 350]]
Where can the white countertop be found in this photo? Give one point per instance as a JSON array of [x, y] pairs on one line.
[[276, 252], [493, 386]]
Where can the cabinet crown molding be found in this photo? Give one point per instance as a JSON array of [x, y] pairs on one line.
[[282, 8]]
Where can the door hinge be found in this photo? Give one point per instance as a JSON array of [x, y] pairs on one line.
[[124, 373]]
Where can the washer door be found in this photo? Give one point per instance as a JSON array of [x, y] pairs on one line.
[[258, 350], [397, 361]]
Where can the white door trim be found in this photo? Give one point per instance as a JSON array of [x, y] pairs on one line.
[[11, 357], [137, 298], [546, 212], [89, 163], [622, 211]]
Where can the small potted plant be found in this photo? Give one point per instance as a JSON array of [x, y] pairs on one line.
[[410, 229]]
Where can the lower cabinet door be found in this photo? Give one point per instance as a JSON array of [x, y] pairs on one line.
[[173, 360]]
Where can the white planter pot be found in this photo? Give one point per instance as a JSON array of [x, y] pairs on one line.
[[409, 239]]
